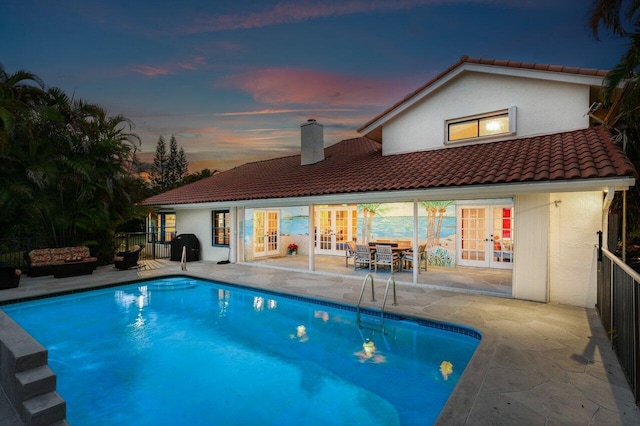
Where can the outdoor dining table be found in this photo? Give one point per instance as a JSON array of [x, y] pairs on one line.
[[395, 247]]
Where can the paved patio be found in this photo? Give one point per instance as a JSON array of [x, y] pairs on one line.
[[537, 364]]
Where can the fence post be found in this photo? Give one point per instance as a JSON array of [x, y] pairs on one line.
[[599, 246], [636, 338], [153, 245]]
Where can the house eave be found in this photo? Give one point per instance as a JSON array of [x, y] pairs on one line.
[[449, 193], [587, 80]]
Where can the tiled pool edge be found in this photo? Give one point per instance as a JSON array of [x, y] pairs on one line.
[[26, 379]]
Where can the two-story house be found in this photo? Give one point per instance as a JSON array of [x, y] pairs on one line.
[[491, 164]]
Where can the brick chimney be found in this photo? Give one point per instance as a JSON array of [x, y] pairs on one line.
[[312, 136]]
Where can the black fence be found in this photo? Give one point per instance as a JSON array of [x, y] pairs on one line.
[[156, 245], [12, 250], [617, 304]]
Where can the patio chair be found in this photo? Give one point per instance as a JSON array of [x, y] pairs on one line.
[[127, 259], [362, 257], [421, 257], [349, 252], [385, 256], [9, 276]]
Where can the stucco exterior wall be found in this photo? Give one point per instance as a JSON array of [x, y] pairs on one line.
[[531, 250], [542, 107], [572, 237], [198, 222]]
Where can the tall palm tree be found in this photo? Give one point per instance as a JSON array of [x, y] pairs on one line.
[[18, 91], [66, 165], [621, 88]]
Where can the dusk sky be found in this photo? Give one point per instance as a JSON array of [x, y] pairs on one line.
[[234, 79]]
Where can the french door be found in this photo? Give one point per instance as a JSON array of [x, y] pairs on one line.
[[485, 236], [335, 226], [266, 233]]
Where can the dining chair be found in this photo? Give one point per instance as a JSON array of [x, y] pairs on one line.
[[409, 256], [362, 257], [386, 257], [349, 252]]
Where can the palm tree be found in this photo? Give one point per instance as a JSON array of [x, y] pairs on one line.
[[432, 208], [18, 92], [369, 211], [442, 209], [66, 165], [621, 88]]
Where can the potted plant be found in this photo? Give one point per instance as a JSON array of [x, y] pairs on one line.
[[292, 249]]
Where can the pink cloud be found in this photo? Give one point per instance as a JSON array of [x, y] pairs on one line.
[[290, 12], [171, 68], [281, 111], [295, 86], [150, 71]]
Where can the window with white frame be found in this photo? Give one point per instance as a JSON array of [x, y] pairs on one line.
[[482, 125]]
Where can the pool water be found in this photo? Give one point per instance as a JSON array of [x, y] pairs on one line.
[[179, 351]]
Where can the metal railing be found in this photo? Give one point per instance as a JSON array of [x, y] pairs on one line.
[[156, 245], [12, 250], [617, 303]]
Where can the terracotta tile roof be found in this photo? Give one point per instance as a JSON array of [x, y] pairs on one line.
[[357, 166], [500, 63]]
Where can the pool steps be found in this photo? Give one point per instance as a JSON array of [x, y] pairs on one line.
[[26, 379]]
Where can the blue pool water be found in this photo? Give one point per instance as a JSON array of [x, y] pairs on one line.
[[179, 351]]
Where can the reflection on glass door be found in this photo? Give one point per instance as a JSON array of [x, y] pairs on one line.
[[485, 236], [335, 226], [502, 238], [266, 233]]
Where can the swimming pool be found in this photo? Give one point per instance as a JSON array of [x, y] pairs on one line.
[[185, 351]]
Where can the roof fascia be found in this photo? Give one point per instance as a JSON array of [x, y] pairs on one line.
[[563, 77], [456, 193]]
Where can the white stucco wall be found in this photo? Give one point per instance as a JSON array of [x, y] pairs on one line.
[[542, 107], [198, 222], [574, 224], [531, 250]]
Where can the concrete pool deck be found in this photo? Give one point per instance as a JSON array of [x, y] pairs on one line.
[[537, 364]]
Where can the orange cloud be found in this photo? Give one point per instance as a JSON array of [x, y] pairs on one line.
[[296, 86]]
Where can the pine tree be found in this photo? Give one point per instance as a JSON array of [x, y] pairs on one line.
[[172, 163], [183, 165], [160, 165]]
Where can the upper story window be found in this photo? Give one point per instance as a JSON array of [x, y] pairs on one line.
[[482, 125], [221, 220]]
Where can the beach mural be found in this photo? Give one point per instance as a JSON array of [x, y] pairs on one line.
[[389, 221]]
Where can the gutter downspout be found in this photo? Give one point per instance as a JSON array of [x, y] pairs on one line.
[[624, 227], [611, 192]]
